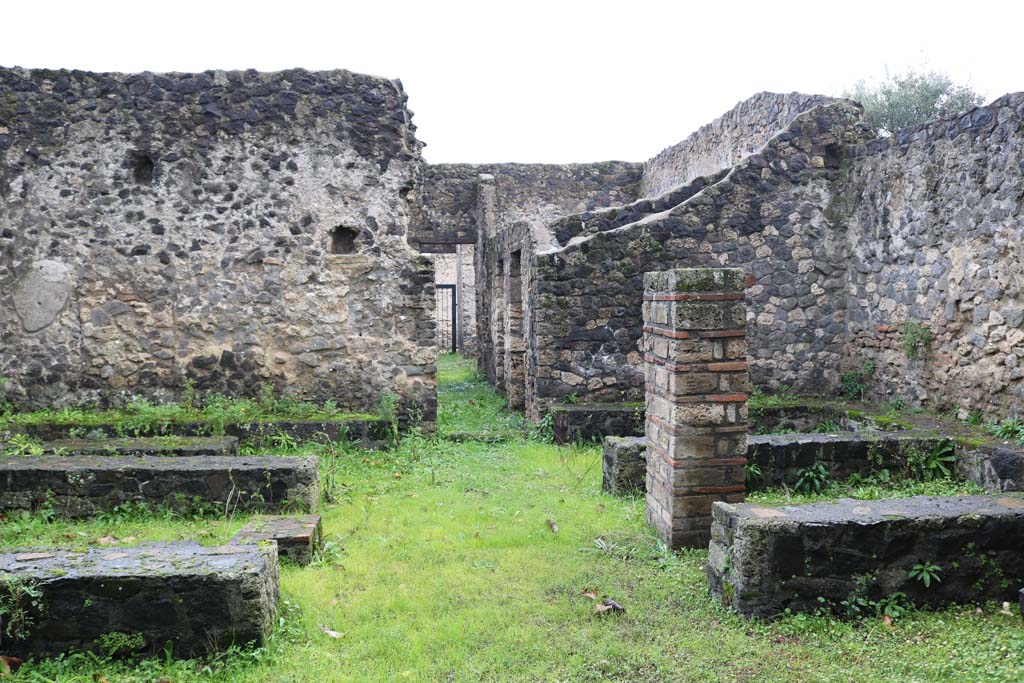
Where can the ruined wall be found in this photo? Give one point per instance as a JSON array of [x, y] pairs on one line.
[[517, 204], [727, 140], [446, 213], [162, 227], [767, 216], [935, 222]]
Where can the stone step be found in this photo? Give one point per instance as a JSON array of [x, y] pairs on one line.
[[82, 485], [149, 445], [200, 599], [763, 561], [298, 538]]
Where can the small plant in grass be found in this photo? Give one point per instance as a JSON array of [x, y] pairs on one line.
[[940, 460], [1011, 429], [811, 479], [21, 601], [116, 644], [827, 427], [897, 405], [926, 573], [21, 444], [974, 417], [753, 472]]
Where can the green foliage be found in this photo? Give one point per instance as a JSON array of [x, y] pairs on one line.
[[827, 427], [975, 417], [781, 396], [21, 444], [912, 98], [1010, 428], [896, 405], [812, 479], [20, 603], [753, 472], [116, 644], [854, 383], [926, 573], [914, 338]]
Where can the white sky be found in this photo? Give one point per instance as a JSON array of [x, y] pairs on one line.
[[551, 81]]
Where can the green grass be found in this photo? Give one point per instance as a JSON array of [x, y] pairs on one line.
[[441, 566], [466, 405]]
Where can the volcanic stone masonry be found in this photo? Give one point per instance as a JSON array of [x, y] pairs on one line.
[[230, 229], [199, 599], [697, 384]]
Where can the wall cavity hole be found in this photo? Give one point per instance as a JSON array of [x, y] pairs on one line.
[[343, 240], [142, 168]]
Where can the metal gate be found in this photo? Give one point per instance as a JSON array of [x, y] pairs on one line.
[[447, 318]]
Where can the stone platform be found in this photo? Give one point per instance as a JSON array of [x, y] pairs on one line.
[[298, 538], [200, 599], [79, 486], [151, 445], [590, 422], [624, 464], [765, 560]]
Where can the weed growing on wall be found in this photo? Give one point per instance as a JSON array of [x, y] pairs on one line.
[[914, 338]]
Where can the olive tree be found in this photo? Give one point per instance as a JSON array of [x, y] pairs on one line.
[[910, 98]]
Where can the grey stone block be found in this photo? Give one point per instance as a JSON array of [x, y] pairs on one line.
[[765, 560], [297, 538], [625, 464], [199, 599], [79, 486], [157, 445]]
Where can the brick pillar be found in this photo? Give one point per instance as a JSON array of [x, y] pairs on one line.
[[696, 392]]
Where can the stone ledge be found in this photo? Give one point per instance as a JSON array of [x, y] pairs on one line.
[[200, 599], [297, 538], [79, 486], [590, 422], [765, 560], [624, 464], [153, 445]]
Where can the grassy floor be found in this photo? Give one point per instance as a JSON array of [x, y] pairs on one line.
[[441, 565]]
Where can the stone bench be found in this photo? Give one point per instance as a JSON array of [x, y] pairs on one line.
[[200, 599], [590, 422], [79, 486], [778, 456], [297, 538], [152, 445], [765, 560], [624, 464], [997, 468]]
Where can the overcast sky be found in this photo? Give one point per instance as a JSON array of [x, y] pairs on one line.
[[550, 81]]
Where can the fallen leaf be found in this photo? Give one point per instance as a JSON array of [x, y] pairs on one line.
[[9, 665], [608, 605], [1006, 610], [332, 634], [887, 620], [590, 593], [106, 540], [397, 475], [552, 526], [97, 678]]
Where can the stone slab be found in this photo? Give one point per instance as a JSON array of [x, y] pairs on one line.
[[152, 445], [298, 538], [79, 486], [591, 422], [780, 457], [997, 468], [369, 432], [624, 464], [765, 560], [200, 599]]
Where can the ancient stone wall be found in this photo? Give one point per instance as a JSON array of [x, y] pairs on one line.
[[228, 228], [726, 141], [934, 216], [767, 216]]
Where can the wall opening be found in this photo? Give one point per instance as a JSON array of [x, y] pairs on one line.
[[343, 240], [142, 167], [515, 342]]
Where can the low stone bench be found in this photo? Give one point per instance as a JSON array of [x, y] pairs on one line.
[[151, 445], [591, 422], [200, 599], [780, 457], [997, 468], [764, 560], [625, 464], [79, 486], [297, 538]]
